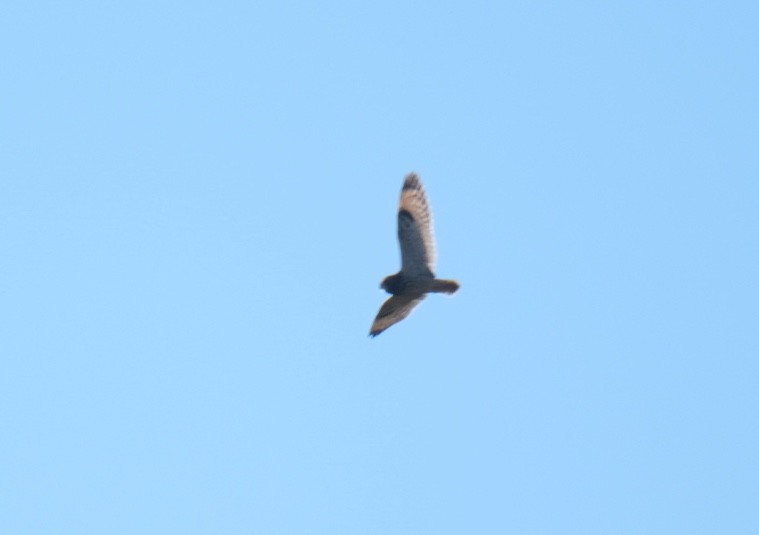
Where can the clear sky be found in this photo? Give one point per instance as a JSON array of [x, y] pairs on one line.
[[198, 202]]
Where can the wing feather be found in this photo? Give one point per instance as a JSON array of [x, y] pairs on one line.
[[415, 234], [392, 311]]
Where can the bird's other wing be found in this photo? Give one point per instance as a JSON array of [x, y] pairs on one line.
[[392, 311]]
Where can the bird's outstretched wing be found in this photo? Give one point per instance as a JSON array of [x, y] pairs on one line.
[[392, 311], [415, 230]]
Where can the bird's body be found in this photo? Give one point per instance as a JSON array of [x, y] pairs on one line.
[[417, 277], [399, 284]]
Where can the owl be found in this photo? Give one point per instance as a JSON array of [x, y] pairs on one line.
[[417, 275]]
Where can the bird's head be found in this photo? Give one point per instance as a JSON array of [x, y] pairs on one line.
[[391, 284]]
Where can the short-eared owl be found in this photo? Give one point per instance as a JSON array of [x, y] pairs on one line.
[[417, 275]]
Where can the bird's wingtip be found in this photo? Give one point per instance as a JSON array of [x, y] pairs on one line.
[[411, 181]]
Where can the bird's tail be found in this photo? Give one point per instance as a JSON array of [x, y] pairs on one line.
[[444, 286]]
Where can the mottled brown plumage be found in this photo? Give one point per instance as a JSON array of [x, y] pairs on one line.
[[417, 275]]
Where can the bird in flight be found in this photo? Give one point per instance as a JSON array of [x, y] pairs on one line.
[[417, 275]]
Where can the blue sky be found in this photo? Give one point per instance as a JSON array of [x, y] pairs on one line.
[[197, 205]]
